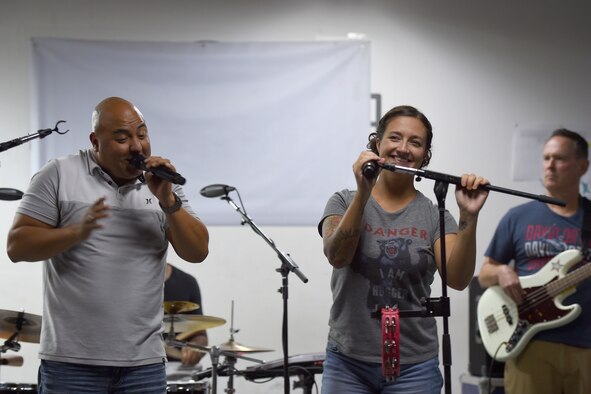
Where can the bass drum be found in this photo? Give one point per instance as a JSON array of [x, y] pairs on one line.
[[8, 388], [188, 387]]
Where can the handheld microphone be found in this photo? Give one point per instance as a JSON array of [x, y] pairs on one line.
[[137, 161], [216, 190], [370, 169], [12, 361]]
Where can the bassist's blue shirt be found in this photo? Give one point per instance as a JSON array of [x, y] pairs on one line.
[[531, 234]]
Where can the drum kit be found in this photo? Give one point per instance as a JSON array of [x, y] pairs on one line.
[[187, 326], [18, 326]]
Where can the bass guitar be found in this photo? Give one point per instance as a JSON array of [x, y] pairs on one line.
[[506, 328]]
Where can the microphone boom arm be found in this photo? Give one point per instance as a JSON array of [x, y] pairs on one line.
[[438, 176], [285, 258], [39, 134]]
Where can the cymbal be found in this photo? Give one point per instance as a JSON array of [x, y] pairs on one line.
[[30, 327], [232, 346], [190, 324], [172, 307]]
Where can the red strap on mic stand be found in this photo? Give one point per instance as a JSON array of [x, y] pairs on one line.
[[390, 342]]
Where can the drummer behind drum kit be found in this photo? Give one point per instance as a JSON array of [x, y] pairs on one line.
[[20, 326], [304, 366]]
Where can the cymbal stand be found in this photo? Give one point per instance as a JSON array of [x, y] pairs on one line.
[[214, 353], [230, 361], [232, 329], [12, 342], [171, 341]]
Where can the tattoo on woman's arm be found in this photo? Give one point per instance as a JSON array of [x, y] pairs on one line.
[[339, 237], [462, 225], [344, 235]]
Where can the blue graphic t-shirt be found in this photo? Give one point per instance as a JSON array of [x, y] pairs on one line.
[[532, 234], [394, 265]]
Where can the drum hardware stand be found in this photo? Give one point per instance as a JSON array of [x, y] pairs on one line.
[[12, 342], [440, 306], [306, 383], [214, 353], [287, 266], [230, 361]]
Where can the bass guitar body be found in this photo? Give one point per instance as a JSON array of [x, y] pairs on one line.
[[506, 327]]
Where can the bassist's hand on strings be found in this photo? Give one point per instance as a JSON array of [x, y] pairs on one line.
[[509, 281]]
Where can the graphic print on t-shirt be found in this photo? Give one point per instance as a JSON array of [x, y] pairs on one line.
[[392, 273], [541, 243]]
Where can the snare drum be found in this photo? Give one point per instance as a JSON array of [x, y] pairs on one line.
[[188, 387], [8, 388]]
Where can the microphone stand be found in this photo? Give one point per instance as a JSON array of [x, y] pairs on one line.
[[441, 307], [438, 176], [287, 266], [14, 194], [40, 134]]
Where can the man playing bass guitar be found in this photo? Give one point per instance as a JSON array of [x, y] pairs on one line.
[[558, 359]]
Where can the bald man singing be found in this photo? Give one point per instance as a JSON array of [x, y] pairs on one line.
[[102, 228]]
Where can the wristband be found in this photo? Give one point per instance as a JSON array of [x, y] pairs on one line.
[[178, 203]]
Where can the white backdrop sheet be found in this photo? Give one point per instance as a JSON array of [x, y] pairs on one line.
[[281, 122]]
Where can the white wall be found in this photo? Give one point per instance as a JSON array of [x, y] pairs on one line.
[[477, 70]]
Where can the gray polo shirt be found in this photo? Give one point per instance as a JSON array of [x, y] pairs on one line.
[[103, 297]]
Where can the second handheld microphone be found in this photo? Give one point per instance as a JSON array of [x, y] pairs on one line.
[[137, 161], [370, 169]]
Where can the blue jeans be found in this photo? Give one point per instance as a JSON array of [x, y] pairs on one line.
[[343, 374], [67, 378]]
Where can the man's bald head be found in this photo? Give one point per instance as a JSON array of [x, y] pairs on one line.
[[119, 132], [110, 106]]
